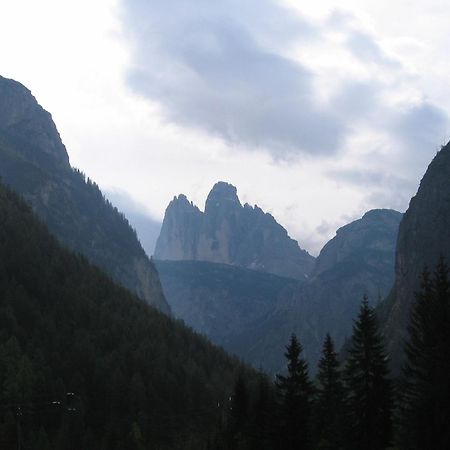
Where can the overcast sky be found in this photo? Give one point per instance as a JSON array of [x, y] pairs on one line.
[[316, 113]]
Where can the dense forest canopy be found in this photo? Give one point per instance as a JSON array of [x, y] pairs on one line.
[[138, 377]]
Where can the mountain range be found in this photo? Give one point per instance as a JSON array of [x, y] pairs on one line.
[[241, 304], [232, 271], [381, 255]]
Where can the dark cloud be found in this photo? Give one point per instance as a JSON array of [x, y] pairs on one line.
[[217, 66], [220, 67], [147, 228]]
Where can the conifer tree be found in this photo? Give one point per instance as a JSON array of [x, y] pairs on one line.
[[263, 416], [329, 405], [238, 416], [369, 390], [425, 393], [295, 393]]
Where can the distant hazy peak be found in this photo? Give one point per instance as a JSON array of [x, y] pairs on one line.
[[222, 195], [371, 217], [376, 229], [24, 121], [382, 214], [181, 202]]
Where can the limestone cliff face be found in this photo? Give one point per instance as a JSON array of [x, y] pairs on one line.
[[424, 236], [34, 162], [179, 233], [230, 233], [25, 122]]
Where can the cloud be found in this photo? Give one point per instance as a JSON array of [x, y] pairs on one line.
[[421, 125], [378, 186], [219, 67], [262, 77], [224, 68], [357, 100]]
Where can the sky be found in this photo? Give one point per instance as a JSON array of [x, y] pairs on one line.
[[316, 112]]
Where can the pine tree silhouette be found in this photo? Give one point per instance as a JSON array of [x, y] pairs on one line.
[[295, 393], [329, 405], [369, 390]]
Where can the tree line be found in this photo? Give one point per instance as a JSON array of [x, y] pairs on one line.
[[356, 404]]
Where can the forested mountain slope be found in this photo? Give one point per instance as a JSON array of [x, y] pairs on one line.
[[34, 162], [219, 300], [135, 377]]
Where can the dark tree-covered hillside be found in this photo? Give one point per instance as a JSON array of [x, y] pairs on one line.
[[425, 385], [85, 364]]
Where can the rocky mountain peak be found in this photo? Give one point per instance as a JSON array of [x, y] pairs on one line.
[[25, 124], [359, 239], [382, 215], [222, 196], [230, 233], [181, 203]]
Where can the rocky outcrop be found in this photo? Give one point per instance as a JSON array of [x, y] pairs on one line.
[[31, 128], [178, 238], [424, 236], [230, 233], [369, 241], [34, 162]]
